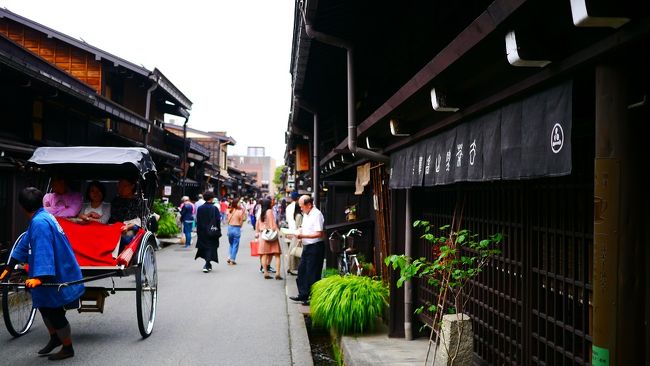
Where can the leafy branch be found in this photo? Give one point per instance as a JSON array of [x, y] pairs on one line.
[[458, 256]]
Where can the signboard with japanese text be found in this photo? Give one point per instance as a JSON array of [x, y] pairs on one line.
[[525, 139]]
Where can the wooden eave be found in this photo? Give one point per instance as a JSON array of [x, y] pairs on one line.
[[487, 23], [474, 66]]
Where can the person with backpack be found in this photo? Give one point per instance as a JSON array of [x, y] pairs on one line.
[[208, 230]]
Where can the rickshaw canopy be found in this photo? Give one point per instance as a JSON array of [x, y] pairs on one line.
[[95, 161]]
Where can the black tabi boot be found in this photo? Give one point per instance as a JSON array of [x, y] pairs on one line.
[[64, 334], [65, 352], [51, 345]]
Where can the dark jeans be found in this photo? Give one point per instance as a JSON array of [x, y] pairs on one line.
[[310, 267]]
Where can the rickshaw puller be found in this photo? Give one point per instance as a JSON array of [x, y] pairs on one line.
[[48, 252]]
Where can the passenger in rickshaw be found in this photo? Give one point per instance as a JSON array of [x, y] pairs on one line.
[[95, 209], [51, 260], [126, 208], [62, 201]]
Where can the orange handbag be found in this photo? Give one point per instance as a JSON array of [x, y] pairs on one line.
[[255, 248]]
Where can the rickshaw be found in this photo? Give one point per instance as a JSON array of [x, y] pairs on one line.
[[97, 260]]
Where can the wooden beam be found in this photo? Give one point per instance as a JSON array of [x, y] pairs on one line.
[[559, 69]]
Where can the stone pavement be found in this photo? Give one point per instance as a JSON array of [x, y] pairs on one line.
[[378, 349], [370, 349]]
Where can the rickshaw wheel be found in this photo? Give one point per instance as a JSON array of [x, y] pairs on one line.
[[17, 309], [146, 279]]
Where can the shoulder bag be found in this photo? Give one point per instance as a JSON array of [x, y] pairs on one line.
[[297, 250], [268, 234], [214, 231]]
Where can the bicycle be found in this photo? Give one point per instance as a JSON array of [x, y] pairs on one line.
[[347, 262]]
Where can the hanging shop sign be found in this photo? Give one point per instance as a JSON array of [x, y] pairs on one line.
[[529, 138], [302, 157]]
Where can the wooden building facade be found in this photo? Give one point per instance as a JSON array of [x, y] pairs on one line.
[[59, 91]]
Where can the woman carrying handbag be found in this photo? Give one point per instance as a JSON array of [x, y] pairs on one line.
[[266, 230], [295, 245]]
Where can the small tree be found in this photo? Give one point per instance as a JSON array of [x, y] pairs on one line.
[[458, 256], [277, 180]]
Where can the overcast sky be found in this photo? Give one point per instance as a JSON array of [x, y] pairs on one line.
[[230, 58]]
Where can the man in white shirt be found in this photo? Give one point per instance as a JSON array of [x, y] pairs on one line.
[[312, 233]]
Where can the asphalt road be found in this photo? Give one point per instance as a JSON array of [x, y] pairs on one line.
[[230, 316]]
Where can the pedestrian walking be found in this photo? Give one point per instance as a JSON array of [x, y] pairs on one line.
[[295, 223], [51, 259], [199, 202], [187, 218], [313, 248], [207, 242], [223, 208], [236, 217], [250, 208], [268, 248]]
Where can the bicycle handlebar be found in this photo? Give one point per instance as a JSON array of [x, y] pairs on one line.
[[354, 231]]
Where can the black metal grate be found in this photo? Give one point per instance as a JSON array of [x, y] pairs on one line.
[[531, 304]]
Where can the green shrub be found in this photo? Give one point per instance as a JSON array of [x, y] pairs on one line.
[[330, 272], [348, 304], [167, 223]]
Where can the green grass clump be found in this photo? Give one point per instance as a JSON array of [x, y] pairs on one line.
[[330, 272], [348, 304]]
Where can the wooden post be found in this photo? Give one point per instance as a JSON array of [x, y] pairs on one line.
[[618, 222]]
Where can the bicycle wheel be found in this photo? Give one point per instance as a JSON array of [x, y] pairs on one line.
[[355, 267], [342, 266], [146, 279], [17, 309]]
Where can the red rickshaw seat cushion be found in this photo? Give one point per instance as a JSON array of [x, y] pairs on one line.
[[93, 243]]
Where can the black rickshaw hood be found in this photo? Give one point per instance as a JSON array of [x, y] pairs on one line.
[[125, 161]]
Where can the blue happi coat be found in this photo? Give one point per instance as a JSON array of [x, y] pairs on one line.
[[48, 252]]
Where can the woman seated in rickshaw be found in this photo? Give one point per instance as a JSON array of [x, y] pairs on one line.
[[95, 209], [62, 201], [126, 208]]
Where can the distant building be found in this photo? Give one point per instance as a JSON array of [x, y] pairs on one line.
[[215, 174], [257, 162]]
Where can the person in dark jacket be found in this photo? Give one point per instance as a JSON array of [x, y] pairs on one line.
[[51, 260], [206, 216]]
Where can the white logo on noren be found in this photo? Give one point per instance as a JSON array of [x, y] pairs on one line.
[[557, 138]]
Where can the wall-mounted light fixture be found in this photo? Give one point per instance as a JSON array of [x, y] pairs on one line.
[[439, 102], [512, 52], [395, 129], [581, 17], [369, 144]]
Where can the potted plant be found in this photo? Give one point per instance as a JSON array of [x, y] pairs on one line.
[[351, 212], [167, 226], [368, 269], [458, 257]]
